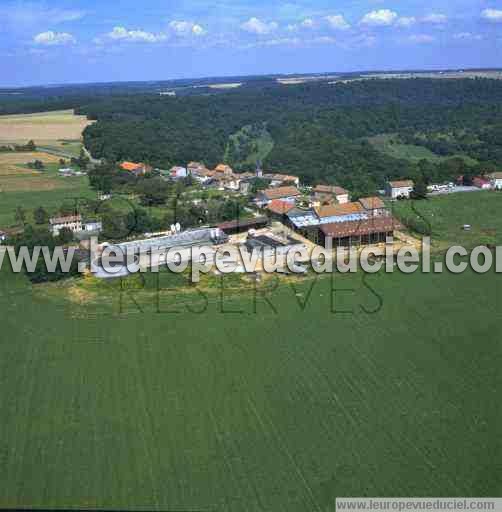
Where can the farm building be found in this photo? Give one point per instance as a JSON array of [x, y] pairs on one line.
[[72, 222], [3, 236], [399, 189], [243, 225], [153, 252], [355, 233], [270, 244]]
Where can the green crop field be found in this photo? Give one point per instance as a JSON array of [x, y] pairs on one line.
[[117, 396], [225, 408]]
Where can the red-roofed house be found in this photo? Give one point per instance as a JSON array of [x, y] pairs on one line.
[[137, 169], [278, 208]]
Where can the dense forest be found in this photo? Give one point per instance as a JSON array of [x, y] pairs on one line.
[[317, 130]]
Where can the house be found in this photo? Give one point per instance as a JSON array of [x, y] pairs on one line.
[[224, 169], [277, 179], [95, 226], [285, 193], [102, 196], [323, 193], [277, 209], [177, 172], [139, 169], [3, 236], [399, 189], [245, 186], [204, 176], [72, 222], [496, 180], [374, 206], [482, 183], [195, 167]]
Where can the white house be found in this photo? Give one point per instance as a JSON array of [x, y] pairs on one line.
[[496, 180], [178, 172], [93, 225], [399, 189], [72, 222], [3, 237]]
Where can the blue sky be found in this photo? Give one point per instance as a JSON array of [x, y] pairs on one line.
[[60, 41]]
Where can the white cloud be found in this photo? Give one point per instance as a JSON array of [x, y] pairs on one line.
[[198, 30], [421, 39], [494, 15], [406, 21], [308, 23], [292, 28], [135, 36], [186, 28], [382, 17], [51, 38], [436, 19], [323, 40], [338, 22], [468, 36], [257, 26]]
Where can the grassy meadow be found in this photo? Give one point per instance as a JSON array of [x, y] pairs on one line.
[[447, 214], [390, 145]]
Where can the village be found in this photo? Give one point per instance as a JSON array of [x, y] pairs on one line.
[[281, 215]]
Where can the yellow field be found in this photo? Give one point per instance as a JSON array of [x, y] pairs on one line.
[[42, 127], [10, 163]]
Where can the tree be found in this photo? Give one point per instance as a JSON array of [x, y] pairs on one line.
[[62, 161], [65, 236], [83, 160], [153, 191], [31, 146], [20, 215], [419, 190], [40, 215]]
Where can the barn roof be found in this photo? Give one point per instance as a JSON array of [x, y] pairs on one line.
[[363, 227]]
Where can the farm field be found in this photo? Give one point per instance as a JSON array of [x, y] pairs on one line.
[[58, 131], [28, 188], [224, 410], [445, 215]]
